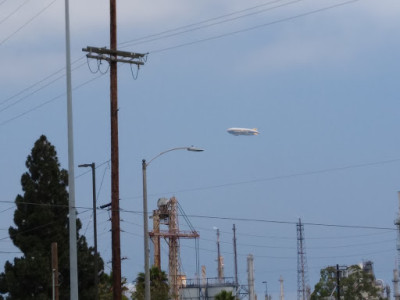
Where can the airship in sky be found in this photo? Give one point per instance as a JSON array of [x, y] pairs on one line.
[[243, 131]]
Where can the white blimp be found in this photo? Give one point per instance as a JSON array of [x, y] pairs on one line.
[[242, 131]]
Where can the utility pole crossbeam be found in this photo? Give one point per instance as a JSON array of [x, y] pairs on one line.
[[113, 57]]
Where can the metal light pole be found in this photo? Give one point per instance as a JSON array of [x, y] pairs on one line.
[[266, 290], [96, 278], [73, 254], [145, 218]]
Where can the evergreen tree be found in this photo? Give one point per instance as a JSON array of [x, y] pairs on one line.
[[41, 218]]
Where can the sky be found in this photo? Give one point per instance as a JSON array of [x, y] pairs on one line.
[[318, 78]]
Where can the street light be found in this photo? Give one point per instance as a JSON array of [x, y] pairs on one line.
[[145, 217], [266, 290], [96, 279]]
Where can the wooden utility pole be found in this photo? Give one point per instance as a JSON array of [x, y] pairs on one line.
[[338, 281], [115, 220], [54, 269], [113, 56]]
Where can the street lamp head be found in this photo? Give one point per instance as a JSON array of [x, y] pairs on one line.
[[85, 165], [194, 149]]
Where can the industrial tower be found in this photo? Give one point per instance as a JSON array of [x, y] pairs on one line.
[[281, 294], [303, 289], [220, 260], [396, 284], [167, 214], [250, 276]]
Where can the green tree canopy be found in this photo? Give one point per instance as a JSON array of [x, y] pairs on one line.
[[41, 218], [159, 287], [357, 284], [224, 295]]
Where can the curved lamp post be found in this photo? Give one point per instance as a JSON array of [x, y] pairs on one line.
[[96, 275], [145, 217], [266, 290]]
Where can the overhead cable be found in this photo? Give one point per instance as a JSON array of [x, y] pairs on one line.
[[26, 23], [13, 12], [254, 27]]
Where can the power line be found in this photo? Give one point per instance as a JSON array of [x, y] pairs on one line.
[[247, 234], [277, 222], [308, 247], [290, 222], [229, 218], [34, 92], [183, 29], [273, 178], [220, 36], [26, 23], [190, 43], [150, 36], [14, 11], [47, 102], [40, 81], [254, 27]]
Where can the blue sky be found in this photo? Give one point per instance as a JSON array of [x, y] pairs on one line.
[[319, 79]]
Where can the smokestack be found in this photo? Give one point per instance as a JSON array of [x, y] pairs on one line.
[[203, 279], [250, 276], [281, 296]]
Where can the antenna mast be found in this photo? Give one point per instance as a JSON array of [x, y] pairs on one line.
[[303, 289]]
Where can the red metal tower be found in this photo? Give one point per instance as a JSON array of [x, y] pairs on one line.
[[167, 214]]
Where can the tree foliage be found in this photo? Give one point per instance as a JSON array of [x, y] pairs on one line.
[[41, 218], [224, 295], [159, 287], [106, 288], [358, 284]]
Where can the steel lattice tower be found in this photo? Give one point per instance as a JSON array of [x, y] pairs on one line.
[[303, 290]]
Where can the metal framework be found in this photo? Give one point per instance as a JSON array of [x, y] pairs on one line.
[[167, 214], [303, 289]]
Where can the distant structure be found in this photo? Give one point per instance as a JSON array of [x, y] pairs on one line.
[[367, 267], [167, 214], [396, 284], [235, 257], [303, 289], [220, 260], [250, 276], [281, 295], [166, 226], [396, 271]]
